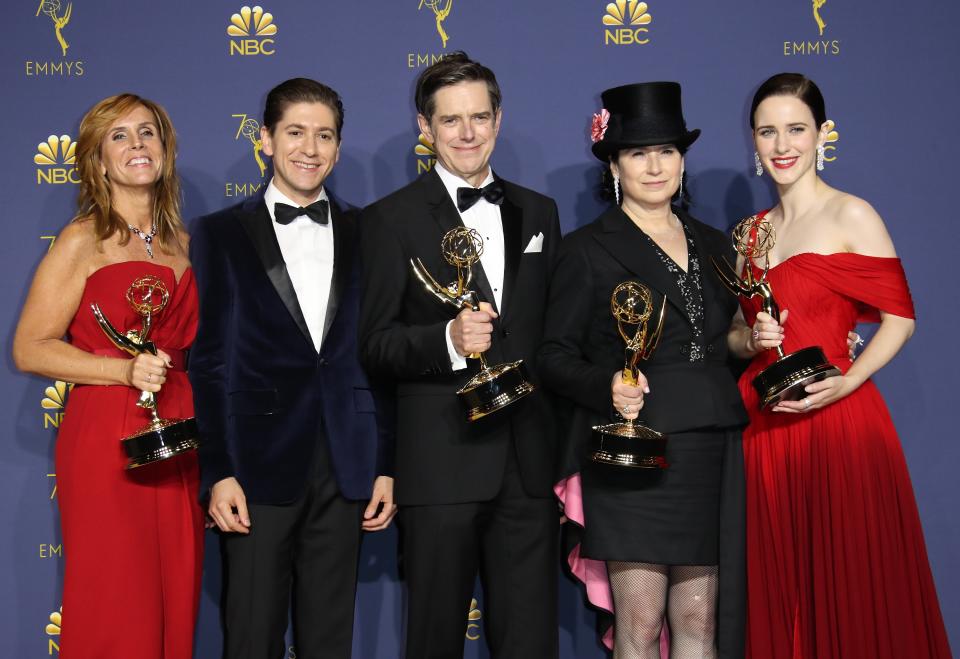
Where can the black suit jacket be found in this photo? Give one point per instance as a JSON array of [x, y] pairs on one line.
[[262, 393], [441, 458], [582, 349]]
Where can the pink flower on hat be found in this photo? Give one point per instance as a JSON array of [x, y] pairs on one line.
[[599, 127]]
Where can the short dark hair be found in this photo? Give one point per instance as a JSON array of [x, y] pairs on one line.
[[300, 90], [450, 70], [791, 84]]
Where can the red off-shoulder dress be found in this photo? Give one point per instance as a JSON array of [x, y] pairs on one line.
[[836, 562]]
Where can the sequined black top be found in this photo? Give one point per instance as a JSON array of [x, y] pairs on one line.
[[691, 287]]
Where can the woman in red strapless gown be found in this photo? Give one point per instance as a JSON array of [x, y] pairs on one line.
[[837, 566], [133, 540]]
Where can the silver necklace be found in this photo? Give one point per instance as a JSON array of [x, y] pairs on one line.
[[146, 238]]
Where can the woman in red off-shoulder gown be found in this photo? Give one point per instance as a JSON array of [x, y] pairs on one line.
[[836, 562], [132, 539]]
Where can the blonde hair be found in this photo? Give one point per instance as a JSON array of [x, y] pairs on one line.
[[95, 202]]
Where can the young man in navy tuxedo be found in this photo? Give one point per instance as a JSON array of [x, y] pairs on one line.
[[296, 453], [474, 497]]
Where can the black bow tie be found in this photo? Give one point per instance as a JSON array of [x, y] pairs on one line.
[[467, 197], [317, 211]]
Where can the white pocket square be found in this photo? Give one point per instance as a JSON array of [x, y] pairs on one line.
[[535, 245]]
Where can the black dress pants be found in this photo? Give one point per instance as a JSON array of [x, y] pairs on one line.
[[512, 541], [308, 549]]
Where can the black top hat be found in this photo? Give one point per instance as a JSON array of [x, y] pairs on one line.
[[643, 114]]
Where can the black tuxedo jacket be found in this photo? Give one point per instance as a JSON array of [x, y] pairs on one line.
[[263, 395], [583, 349], [441, 458]]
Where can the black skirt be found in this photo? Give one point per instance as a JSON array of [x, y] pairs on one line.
[[667, 517]]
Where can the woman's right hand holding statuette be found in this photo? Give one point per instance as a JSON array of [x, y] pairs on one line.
[[628, 396]]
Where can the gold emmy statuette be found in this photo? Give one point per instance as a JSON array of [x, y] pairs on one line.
[[817, 5], [628, 443], [50, 8], [440, 15], [251, 130], [161, 438], [494, 387], [786, 378]]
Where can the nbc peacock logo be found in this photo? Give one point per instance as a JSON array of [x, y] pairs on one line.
[[56, 151], [473, 621], [55, 158], [54, 402], [625, 23], [251, 31], [53, 631], [425, 154], [829, 145]]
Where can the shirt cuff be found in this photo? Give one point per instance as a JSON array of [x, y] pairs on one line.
[[457, 362]]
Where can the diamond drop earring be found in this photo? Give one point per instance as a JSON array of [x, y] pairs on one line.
[[756, 163], [820, 151], [616, 188]]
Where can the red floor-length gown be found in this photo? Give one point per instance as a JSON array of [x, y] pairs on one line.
[[132, 540], [837, 567]]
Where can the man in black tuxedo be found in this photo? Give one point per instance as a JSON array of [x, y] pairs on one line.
[[294, 439], [473, 496]]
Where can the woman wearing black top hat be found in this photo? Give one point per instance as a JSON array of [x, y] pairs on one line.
[[657, 544]]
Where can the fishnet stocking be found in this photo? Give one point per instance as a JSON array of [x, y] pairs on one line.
[[691, 611], [639, 600], [643, 593]]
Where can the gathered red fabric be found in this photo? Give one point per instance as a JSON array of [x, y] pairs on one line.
[[836, 561]]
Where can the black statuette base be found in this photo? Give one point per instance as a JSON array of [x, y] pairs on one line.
[[495, 388], [629, 445], [160, 441], [786, 378]]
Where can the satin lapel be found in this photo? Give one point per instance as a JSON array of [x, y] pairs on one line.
[[256, 222], [713, 289], [512, 218], [343, 230], [627, 244], [446, 215]]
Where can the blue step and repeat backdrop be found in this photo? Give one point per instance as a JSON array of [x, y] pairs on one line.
[[886, 68]]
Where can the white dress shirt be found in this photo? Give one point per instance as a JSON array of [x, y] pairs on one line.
[[485, 218], [307, 249]]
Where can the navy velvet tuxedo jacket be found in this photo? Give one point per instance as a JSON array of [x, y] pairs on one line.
[[264, 397], [441, 458]]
